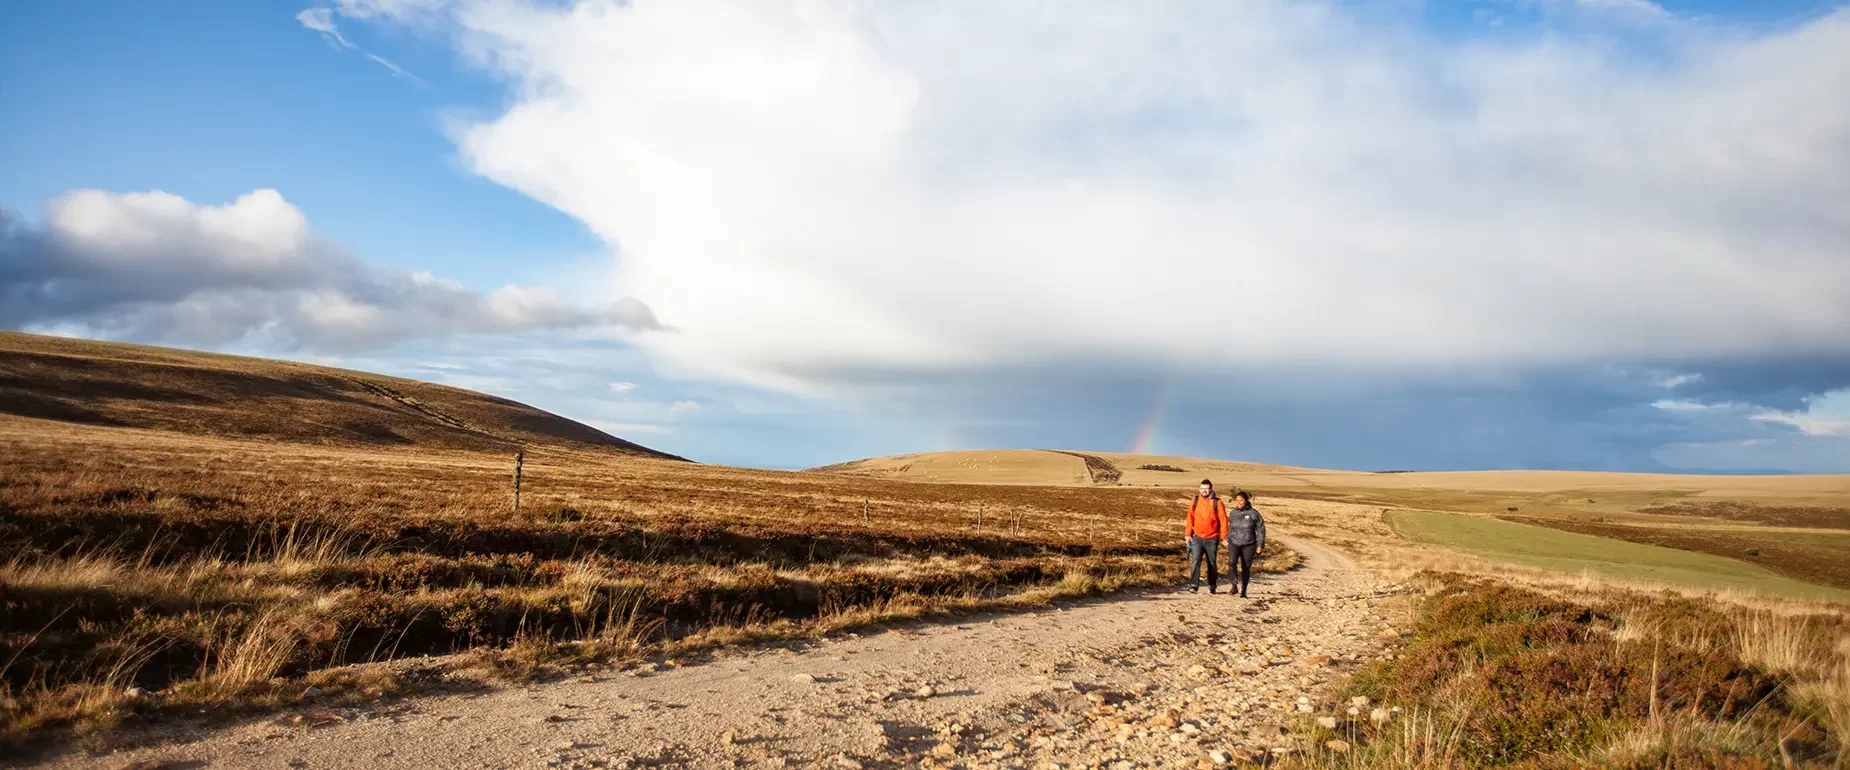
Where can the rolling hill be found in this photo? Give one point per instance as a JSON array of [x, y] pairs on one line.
[[138, 386], [1067, 468], [1047, 467]]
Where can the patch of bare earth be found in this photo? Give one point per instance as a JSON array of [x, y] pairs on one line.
[[1145, 678]]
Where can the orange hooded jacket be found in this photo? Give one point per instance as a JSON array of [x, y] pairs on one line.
[[1206, 520]]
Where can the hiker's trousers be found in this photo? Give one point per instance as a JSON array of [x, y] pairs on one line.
[[1240, 571], [1202, 552]]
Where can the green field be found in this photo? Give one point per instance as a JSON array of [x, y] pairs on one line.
[[1572, 552]]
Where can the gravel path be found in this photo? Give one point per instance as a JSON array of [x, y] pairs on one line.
[[1158, 678]]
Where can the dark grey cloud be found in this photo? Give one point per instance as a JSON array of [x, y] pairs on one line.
[[1604, 417], [156, 267]]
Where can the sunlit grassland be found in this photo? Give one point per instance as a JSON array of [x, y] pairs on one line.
[[1572, 552]]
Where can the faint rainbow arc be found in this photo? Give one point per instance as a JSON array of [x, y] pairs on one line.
[[1145, 437]]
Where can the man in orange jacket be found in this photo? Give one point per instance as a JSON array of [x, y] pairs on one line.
[[1207, 524]]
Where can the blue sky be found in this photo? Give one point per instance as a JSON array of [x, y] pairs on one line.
[[1382, 234], [208, 101]]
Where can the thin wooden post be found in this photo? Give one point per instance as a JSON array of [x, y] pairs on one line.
[[979, 516], [520, 458], [864, 517]]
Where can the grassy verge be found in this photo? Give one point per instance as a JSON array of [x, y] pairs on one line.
[[1572, 552], [1810, 556], [1495, 675]]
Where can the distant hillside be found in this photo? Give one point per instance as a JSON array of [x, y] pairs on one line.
[[1048, 468], [140, 386], [1445, 490]]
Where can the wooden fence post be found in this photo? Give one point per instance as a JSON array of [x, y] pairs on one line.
[[520, 457], [865, 519]]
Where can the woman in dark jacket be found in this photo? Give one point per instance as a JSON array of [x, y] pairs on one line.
[[1245, 540]]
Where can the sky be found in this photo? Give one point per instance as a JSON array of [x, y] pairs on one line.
[[1375, 234]]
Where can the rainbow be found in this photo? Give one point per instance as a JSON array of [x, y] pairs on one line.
[[1152, 423]]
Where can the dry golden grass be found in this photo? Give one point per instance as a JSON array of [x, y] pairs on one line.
[[254, 566], [1781, 643], [1830, 696]]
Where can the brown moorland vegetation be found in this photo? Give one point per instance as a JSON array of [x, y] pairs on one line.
[[1772, 515], [206, 394], [1495, 674], [156, 563]]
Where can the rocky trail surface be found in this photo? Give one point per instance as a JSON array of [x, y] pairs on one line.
[[1160, 678]]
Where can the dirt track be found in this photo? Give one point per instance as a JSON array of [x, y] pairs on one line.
[[1088, 683]]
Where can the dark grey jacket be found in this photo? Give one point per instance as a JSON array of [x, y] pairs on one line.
[[1245, 527]]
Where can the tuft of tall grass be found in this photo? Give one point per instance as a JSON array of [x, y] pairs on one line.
[[1681, 740], [1777, 643], [1421, 738], [1830, 698], [247, 657]]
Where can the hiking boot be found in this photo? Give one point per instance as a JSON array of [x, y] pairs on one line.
[[1194, 589]]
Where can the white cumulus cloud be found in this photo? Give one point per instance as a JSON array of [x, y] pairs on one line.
[[155, 266], [816, 191]]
